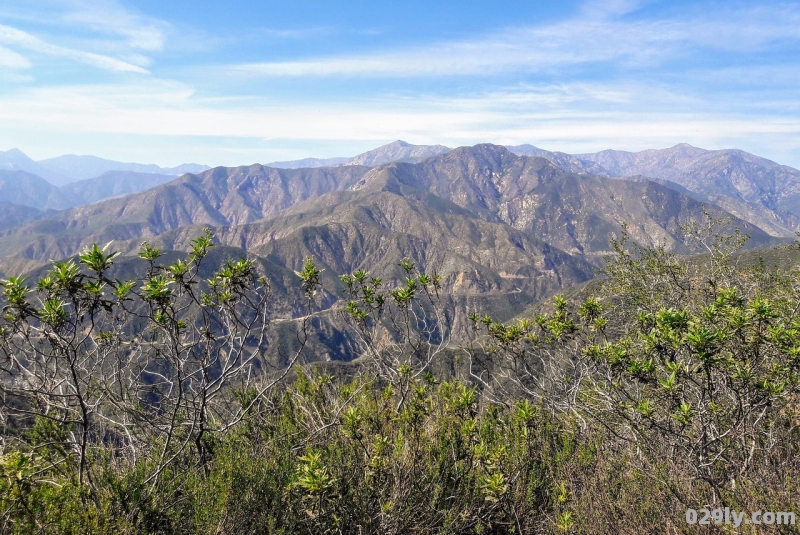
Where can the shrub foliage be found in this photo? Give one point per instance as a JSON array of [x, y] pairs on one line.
[[144, 406]]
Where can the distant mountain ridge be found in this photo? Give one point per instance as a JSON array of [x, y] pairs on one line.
[[308, 163], [752, 188], [396, 151], [112, 184], [70, 168], [26, 189], [77, 168], [16, 160]]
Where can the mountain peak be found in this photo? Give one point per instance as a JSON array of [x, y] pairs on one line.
[[14, 155], [482, 150], [526, 149], [687, 150], [397, 151]]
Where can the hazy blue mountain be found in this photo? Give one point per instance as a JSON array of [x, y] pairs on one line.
[[75, 168], [12, 215], [16, 160], [113, 184], [26, 189]]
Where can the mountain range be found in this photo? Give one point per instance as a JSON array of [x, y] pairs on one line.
[[472, 188], [72, 168], [752, 188], [755, 189], [504, 227]]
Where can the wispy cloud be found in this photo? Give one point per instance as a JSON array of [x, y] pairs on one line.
[[17, 38], [595, 36], [108, 17], [11, 60], [99, 33]]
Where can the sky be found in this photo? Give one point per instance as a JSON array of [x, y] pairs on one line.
[[245, 81]]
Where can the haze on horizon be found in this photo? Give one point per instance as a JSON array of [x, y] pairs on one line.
[[180, 81]]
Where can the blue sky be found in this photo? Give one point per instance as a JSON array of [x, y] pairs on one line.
[[256, 81]]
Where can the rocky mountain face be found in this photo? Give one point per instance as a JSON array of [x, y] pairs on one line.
[[752, 188]]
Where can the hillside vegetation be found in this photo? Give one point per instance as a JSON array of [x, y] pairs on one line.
[[147, 405]]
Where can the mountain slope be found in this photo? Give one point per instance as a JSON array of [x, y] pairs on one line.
[[26, 189], [576, 213], [484, 265], [112, 184], [752, 188], [375, 229]]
